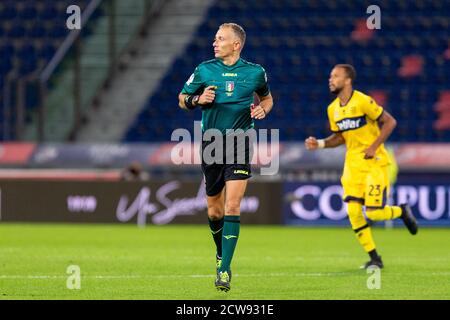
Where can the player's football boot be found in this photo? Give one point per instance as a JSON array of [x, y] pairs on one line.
[[223, 281], [408, 219], [377, 262]]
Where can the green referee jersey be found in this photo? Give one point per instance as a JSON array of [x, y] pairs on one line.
[[234, 93]]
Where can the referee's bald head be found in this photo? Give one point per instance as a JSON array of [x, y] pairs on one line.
[[237, 30]]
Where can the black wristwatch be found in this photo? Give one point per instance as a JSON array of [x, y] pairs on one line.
[[195, 100]]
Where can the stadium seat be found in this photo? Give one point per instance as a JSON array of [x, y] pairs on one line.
[[30, 33], [404, 67], [442, 107]]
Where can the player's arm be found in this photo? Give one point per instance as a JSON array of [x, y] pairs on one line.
[[262, 110], [387, 124], [333, 141], [189, 102]]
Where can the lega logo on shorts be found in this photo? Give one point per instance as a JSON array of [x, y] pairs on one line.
[[241, 172], [350, 124]]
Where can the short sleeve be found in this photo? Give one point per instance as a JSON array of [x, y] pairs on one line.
[[262, 88], [194, 83], [372, 109], [333, 125]]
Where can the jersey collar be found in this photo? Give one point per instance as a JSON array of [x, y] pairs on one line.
[[233, 65], [351, 96]]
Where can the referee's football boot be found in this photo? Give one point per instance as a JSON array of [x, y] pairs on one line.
[[408, 219], [218, 264], [223, 281]]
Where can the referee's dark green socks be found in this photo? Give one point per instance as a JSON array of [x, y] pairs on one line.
[[230, 237], [216, 227]]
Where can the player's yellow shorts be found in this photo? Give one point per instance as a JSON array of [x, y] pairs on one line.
[[369, 186]]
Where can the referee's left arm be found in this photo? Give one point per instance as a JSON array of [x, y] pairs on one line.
[[266, 102]]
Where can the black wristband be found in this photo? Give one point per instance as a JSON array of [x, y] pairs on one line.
[[188, 102]]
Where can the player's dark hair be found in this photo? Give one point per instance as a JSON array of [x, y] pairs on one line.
[[237, 29], [349, 70]]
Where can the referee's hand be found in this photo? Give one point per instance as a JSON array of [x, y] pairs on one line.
[[311, 143], [257, 112], [208, 95]]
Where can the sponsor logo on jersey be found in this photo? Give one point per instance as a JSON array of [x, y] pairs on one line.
[[351, 123], [229, 74]]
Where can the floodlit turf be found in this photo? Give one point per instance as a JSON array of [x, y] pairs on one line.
[[177, 262]]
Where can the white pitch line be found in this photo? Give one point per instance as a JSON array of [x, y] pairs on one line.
[[162, 276], [168, 276]]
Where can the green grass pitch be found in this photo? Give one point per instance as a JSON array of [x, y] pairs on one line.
[[177, 262]]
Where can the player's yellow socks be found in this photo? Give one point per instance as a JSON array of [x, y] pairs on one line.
[[360, 226], [364, 236], [387, 213]]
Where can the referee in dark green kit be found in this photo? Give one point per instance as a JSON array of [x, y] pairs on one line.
[[224, 88]]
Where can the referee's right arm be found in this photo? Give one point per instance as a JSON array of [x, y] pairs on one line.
[[181, 101], [188, 102]]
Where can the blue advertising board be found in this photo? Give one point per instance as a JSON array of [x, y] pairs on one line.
[[321, 204]]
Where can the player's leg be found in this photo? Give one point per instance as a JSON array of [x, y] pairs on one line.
[[353, 185], [377, 192], [363, 232], [393, 212]]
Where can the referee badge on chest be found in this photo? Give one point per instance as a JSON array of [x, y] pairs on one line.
[[229, 87]]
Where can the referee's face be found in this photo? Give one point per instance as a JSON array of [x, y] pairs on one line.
[[225, 43]]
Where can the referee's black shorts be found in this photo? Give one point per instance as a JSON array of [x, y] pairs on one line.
[[237, 167]]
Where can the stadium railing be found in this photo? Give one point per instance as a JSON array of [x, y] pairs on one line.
[[50, 105]]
